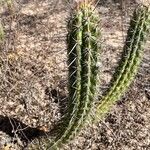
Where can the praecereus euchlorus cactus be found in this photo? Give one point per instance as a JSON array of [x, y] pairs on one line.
[[83, 55], [83, 52], [131, 58]]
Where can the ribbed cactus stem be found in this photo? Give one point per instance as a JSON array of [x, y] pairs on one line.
[[82, 60], [136, 38]]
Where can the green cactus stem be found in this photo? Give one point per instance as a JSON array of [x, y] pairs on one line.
[[135, 41], [83, 71]]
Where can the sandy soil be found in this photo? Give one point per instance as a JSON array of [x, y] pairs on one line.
[[33, 77]]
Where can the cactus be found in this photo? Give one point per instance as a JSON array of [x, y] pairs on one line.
[[136, 38], [82, 60], [83, 50]]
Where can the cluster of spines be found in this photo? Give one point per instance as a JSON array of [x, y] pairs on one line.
[[82, 61], [136, 38]]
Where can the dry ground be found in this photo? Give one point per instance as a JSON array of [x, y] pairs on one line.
[[33, 77]]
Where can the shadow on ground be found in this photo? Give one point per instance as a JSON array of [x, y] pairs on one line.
[[14, 127]]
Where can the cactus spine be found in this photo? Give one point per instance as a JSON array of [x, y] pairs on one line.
[[82, 59], [136, 38]]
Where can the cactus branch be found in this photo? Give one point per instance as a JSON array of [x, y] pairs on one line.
[[82, 60], [136, 38]]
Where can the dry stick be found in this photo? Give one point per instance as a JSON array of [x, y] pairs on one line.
[[136, 39], [1, 33], [82, 59]]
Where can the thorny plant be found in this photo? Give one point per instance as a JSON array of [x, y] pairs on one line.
[[82, 61], [83, 54]]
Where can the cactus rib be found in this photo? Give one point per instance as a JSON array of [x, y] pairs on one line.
[[136, 37], [82, 58]]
